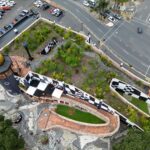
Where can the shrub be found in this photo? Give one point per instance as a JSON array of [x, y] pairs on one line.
[[44, 139]]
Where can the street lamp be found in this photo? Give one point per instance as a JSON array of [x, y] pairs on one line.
[[25, 45]]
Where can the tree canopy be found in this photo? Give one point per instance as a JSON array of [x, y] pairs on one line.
[[135, 140], [9, 137]]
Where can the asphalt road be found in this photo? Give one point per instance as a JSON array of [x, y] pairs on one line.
[[123, 40]]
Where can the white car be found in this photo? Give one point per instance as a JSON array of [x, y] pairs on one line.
[[85, 3], [25, 11], [38, 3], [112, 19]]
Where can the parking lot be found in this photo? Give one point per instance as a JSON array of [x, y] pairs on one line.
[[11, 14]]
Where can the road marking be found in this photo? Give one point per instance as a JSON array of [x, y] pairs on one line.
[[137, 20], [147, 71], [112, 32], [148, 18], [127, 53]]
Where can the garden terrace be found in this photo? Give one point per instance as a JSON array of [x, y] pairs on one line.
[[88, 71]]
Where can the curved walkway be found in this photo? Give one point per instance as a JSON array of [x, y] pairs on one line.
[[49, 119]]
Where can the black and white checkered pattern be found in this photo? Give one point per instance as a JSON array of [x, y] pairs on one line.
[[129, 90], [39, 85]]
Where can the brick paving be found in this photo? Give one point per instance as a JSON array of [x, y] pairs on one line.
[[49, 119]]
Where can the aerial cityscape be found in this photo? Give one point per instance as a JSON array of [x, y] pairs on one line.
[[74, 75]]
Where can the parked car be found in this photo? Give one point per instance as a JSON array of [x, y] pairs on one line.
[[25, 11], [38, 3], [2, 31], [45, 6], [117, 16], [57, 12], [92, 3], [9, 26], [112, 19], [34, 11], [139, 30], [85, 3], [5, 7]]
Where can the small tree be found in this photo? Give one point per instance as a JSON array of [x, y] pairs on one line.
[[101, 6]]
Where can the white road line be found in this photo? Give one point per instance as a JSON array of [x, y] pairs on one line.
[[126, 52], [113, 32], [147, 70], [147, 19], [137, 20]]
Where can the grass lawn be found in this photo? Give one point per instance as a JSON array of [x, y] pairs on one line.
[[78, 115], [140, 104]]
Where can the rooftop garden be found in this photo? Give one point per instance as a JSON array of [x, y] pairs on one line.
[[78, 115]]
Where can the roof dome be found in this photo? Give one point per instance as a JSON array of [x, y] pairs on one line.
[[2, 59]]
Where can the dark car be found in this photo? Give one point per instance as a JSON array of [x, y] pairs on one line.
[[9, 26], [2, 31], [34, 11], [117, 16], [45, 6], [1, 14], [139, 30]]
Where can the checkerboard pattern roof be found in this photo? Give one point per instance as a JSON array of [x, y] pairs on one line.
[[125, 88]]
